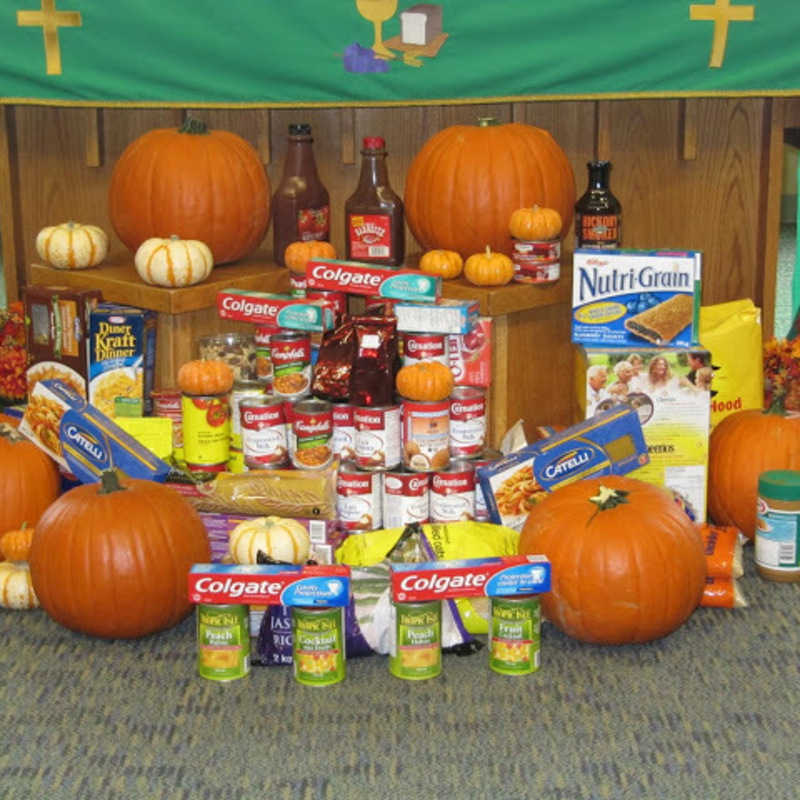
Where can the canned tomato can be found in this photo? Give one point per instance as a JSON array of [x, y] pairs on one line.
[[343, 441], [264, 438], [486, 458], [406, 498], [453, 493], [262, 338], [359, 499], [336, 300], [467, 421], [290, 353], [312, 423], [167, 403], [377, 437], [241, 390], [424, 347], [426, 435], [415, 640], [206, 432], [514, 634], [318, 655], [223, 642]]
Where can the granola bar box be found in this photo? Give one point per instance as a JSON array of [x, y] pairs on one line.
[[635, 298]]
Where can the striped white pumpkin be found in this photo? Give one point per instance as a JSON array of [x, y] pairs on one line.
[[173, 262], [16, 586], [278, 537], [72, 245]]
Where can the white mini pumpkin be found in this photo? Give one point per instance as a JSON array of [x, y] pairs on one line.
[[16, 586], [173, 262], [279, 538], [72, 245]]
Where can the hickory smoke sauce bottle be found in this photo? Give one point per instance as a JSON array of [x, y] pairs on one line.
[[598, 214], [300, 205], [374, 218]]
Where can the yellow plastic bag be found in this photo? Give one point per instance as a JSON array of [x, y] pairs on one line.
[[731, 332]]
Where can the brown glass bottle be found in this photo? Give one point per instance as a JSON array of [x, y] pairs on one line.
[[300, 205], [374, 229], [598, 214]]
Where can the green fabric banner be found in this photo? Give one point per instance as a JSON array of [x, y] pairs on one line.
[[296, 52]]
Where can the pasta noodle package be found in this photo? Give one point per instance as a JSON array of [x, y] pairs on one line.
[[722, 593], [723, 550]]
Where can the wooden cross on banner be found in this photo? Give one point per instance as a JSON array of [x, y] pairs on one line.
[[50, 19], [721, 14]]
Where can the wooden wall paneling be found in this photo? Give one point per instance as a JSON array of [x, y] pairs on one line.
[[12, 260], [791, 112], [687, 116]]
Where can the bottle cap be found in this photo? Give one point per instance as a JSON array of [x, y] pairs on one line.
[[300, 129], [374, 143]]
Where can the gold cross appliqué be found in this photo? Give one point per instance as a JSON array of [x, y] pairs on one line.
[[721, 14], [50, 19]]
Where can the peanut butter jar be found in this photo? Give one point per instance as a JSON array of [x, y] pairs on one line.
[[777, 536]]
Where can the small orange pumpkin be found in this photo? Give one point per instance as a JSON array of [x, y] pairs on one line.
[[535, 224], [425, 380], [489, 268], [443, 263], [16, 545], [297, 254], [205, 376]]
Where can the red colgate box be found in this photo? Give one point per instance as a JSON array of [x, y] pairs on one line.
[[504, 576], [270, 584], [354, 277], [469, 355], [275, 310]]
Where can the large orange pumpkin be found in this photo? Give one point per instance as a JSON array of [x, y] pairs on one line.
[[742, 446], [111, 559], [466, 181], [29, 480], [193, 183], [627, 562]]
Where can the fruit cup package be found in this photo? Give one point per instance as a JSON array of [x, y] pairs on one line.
[[445, 316], [275, 310], [470, 354]]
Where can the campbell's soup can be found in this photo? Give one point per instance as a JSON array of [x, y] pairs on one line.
[[467, 421], [312, 423], [426, 435], [406, 498], [206, 433], [424, 347], [486, 458], [262, 338], [359, 499], [290, 353], [264, 437], [453, 493], [336, 300], [377, 437], [343, 441], [167, 403]]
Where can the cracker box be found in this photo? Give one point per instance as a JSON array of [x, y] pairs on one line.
[[609, 443], [671, 393], [635, 298], [122, 357], [445, 316]]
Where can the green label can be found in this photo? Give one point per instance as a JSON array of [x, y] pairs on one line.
[[223, 639], [415, 650], [318, 645], [515, 635]]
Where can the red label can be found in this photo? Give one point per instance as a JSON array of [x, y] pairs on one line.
[[336, 300], [424, 347], [426, 435], [343, 442], [467, 421], [406, 498], [377, 437], [264, 437], [453, 493], [290, 353], [167, 403], [358, 499], [312, 422]]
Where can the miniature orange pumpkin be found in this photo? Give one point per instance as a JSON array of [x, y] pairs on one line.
[[535, 224], [442, 263], [16, 545], [297, 254], [489, 268], [425, 380], [205, 376], [627, 562]]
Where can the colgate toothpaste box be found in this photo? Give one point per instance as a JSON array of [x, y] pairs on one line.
[[270, 584], [469, 355], [506, 576], [354, 277], [275, 310], [445, 316]]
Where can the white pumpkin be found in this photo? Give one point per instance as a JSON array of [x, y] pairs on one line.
[[72, 245], [16, 586], [279, 538], [173, 262]]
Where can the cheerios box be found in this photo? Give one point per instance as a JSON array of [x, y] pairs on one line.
[[671, 391], [609, 443], [635, 298]]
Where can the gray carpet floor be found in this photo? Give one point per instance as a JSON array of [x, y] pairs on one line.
[[710, 711]]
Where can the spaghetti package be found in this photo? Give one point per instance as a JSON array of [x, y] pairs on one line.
[[723, 550]]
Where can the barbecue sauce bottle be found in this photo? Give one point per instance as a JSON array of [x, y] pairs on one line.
[[300, 205], [598, 214], [374, 218]]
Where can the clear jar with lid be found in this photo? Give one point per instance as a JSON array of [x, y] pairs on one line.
[[777, 536], [237, 350]]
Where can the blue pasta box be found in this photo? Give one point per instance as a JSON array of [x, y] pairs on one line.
[[82, 440], [608, 443], [635, 298]]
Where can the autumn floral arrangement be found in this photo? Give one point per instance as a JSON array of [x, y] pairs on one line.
[[782, 373], [13, 355]]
